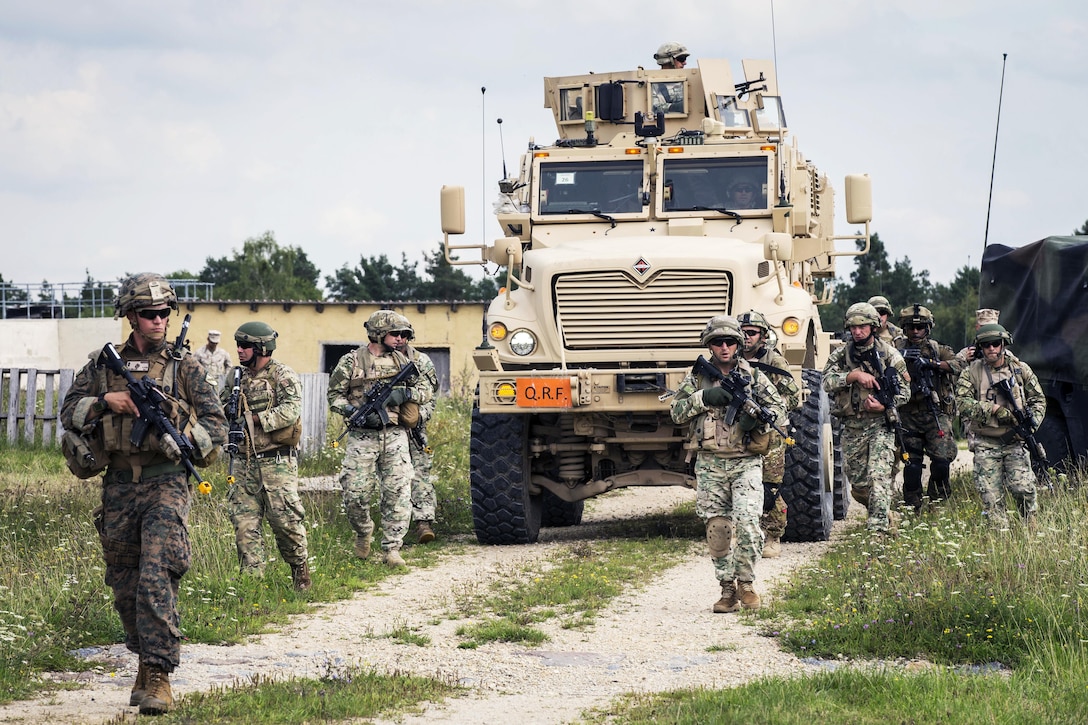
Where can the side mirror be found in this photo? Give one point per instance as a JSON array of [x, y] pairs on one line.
[[859, 199], [453, 209]]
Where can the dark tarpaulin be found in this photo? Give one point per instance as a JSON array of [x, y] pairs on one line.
[[1041, 290]]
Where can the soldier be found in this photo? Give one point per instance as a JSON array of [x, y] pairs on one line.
[[1001, 462], [271, 414], [214, 358], [671, 55], [762, 355], [888, 332], [146, 497], [376, 458], [745, 194], [868, 442], [729, 463], [424, 500], [985, 316], [927, 428]]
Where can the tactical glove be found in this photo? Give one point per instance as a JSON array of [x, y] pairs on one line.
[[397, 396], [349, 410], [170, 448], [716, 397], [373, 420], [1005, 417], [746, 422]]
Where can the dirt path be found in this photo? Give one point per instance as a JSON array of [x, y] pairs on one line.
[[650, 639]]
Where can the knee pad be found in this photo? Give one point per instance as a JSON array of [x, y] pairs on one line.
[[719, 536]]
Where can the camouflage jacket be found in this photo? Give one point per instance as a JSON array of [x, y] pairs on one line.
[[350, 380], [847, 397], [975, 397], [786, 385], [429, 376], [271, 401], [194, 406]]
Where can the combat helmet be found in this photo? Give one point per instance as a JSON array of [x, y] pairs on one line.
[[862, 313], [146, 289], [991, 332], [670, 51], [751, 318], [381, 323], [720, 326], [260, 335], [880, 302], [404, 324], [916, 314]]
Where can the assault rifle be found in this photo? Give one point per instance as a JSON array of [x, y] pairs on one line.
[[885, 392], [180, 347], [374, 402], [923, 378], [149, 398], [1025, 423], [237, 434], [737, 386]]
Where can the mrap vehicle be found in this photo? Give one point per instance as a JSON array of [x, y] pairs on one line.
[[670, 196]]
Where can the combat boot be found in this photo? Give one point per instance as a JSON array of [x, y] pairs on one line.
[[300, 576], [747, 596], [772, 547], [158, 699], [139, 688], [362, 546], [424, 532], [728, 602], [393, 558]]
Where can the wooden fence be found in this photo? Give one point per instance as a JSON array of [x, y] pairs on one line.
[[31, 400]]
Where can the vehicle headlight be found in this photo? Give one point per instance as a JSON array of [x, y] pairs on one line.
[[497, 330], [522, 342], [791, 326]]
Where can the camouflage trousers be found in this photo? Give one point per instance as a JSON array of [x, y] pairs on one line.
[[868, 453], [378, 462], [732, 488], [267, 488], [1000, 468], [773, 519], [146, 530], [424, 500], [922, 436]]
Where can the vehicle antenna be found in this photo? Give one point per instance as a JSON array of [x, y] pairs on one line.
[[483, 161], [993, 165], [502, 149]]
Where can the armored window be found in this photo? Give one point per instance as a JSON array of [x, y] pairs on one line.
[[708, 184], [570, 104], [770, 117], [733, 117], [669, 97], [612, 187]]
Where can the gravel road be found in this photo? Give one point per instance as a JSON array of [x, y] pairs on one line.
[[652, 638]]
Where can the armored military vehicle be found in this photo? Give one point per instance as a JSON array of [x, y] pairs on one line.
[[1041, 290], [670, 196]]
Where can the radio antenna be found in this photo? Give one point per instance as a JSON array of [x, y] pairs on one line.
[[502, 149], [483, 161], [993, 165]]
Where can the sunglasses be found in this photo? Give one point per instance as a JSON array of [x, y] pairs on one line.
[[751, 333], [992, 343], [398, 333], [154, 314], [246, 345], [720, 341]]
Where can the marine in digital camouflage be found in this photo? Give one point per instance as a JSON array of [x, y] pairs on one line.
[[146, 498]]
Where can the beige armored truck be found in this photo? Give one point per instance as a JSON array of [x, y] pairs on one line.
[[670, 196]]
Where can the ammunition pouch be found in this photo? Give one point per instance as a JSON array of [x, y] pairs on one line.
[[409, 414], [289, 435], [85, 454], [758, 442]]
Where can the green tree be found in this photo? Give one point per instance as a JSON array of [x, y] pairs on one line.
[[375, 278], [1083, 231], [263, 270], [95, 299], [10, 293], [954, 306], [452, 283]]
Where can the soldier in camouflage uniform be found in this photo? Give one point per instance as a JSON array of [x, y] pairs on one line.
[[424, 500], [868, 444], [267, 487], [215, 359], [729, 463], [888, 331], [762, 355], [1001, 462], [146, 497], [927, 427], [377, 459]]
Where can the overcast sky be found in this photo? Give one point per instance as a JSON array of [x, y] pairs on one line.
[[139, 135]]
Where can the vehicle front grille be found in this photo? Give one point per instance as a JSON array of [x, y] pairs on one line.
[[611, 310]]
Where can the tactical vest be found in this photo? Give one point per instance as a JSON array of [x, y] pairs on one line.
[[983, 383], [258, 395], [710, 432], [846, 403], [370, 370], [931, 350], [116, 428]]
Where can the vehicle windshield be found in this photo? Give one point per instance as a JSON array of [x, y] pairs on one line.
[[733, 184], [587, 187]]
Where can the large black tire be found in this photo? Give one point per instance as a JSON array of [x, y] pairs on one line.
[[558, 512], [806, 486], [841, 489], [503, 512]]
